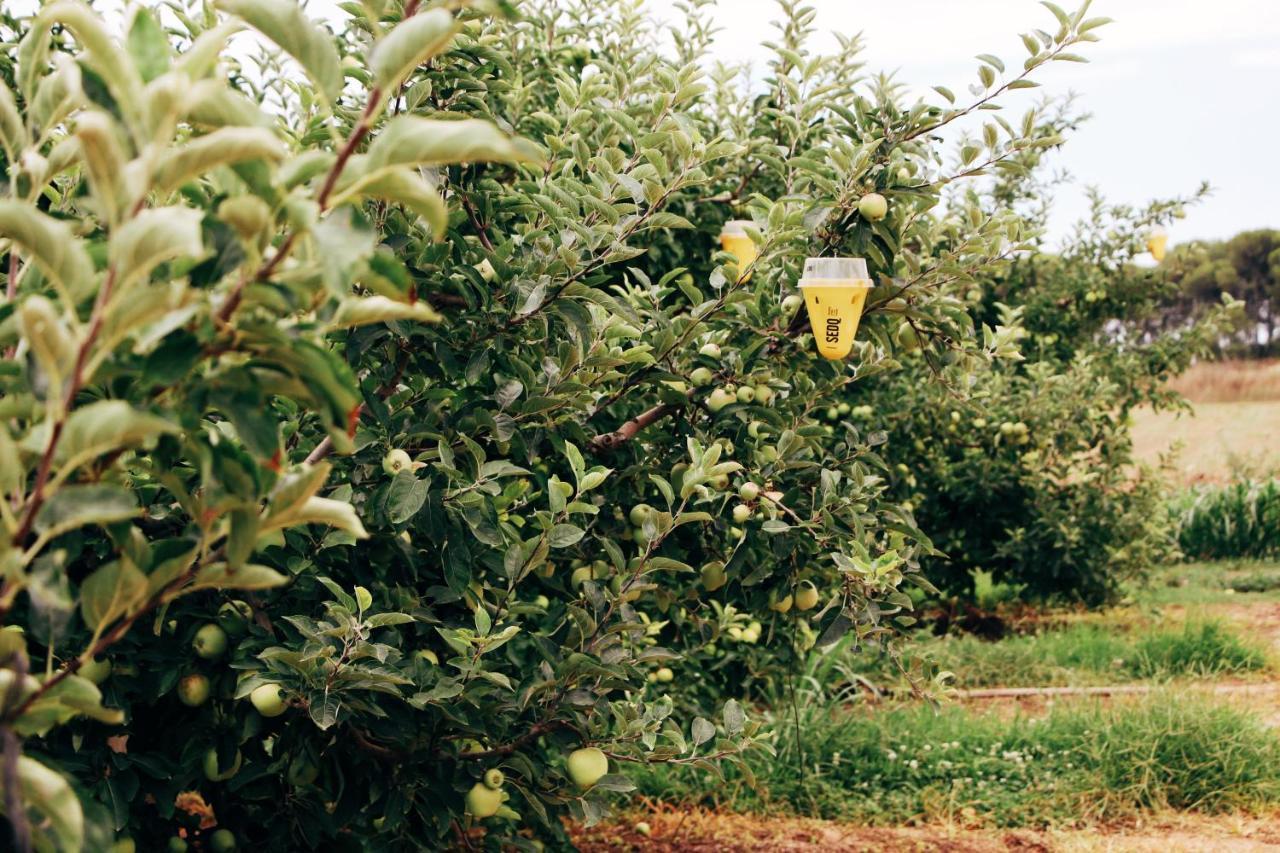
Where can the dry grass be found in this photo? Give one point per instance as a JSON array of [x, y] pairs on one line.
[[1231, 382], [1220, 440]]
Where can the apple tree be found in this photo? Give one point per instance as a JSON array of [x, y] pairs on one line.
[[391, 457]]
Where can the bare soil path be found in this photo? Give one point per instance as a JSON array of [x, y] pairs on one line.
[[675, 831]]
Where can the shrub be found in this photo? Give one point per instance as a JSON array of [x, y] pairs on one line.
[[1240, 520], [355, 442]]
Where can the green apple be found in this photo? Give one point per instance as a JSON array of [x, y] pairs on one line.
[[749, 491], [542, 601], [640, 513], [701, 376], [710, 350], [483, 801], [580, 575], [643, 828], [211, 768], [833, 414], [664, 675], [750, 635], [269, 700], [124, 845], [741, 513], [396, 461], [713, 576], [793, 303], [302, 772], [177, 844], [493, 778], [587, 766], [907, 337], [746, 394], [210, 642], [806, 596], [873, 207], [193, 690], [781, 605], [719, 399], [96, 670], [222, 841], [763, 394], [234, 616], [844, 409]]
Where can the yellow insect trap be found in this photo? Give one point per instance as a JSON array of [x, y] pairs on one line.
[[735, 240], [1157, 243], [835, 291]]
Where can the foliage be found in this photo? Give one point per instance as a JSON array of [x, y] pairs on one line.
[[1241, 519], [1247, 267], [1081, 764], [1024, 469], [381, 354]]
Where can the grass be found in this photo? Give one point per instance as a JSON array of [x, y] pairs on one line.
[[1084, 762], [1241, 519], [1091, 653], [1224, 582]]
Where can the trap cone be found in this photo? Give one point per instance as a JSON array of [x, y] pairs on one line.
[[735, 241], [835, 291]]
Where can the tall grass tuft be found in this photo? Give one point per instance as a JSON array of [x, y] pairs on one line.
[[1238, 520]]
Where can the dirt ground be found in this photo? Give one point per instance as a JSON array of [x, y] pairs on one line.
[[674, 831]]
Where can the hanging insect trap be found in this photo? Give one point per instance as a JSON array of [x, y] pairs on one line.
[[735, 240], [835, 291]]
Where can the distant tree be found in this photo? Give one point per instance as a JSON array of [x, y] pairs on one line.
[[1248, 267]]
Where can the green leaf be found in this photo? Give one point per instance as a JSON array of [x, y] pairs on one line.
[[51, 245], [364, 310], [76, 506], [12, 472], [405, 497], [105, 426], [51, 342], [249, 576], [414, 141], [409, 45], [339, 514], [111, 592], [284, 22], [153, 237], [148, 46], [734, 718], [13, 135], [102, 52], [403, 186], [564, 535], [47, 792], [204, 153]]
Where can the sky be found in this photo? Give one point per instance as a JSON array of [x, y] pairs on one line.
[[1181, 91]]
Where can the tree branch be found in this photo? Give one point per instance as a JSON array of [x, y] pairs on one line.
[[628, 430]]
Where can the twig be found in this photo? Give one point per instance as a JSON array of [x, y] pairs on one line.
[[268, 268], [73, 388], [628, 430], [537, 731]]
